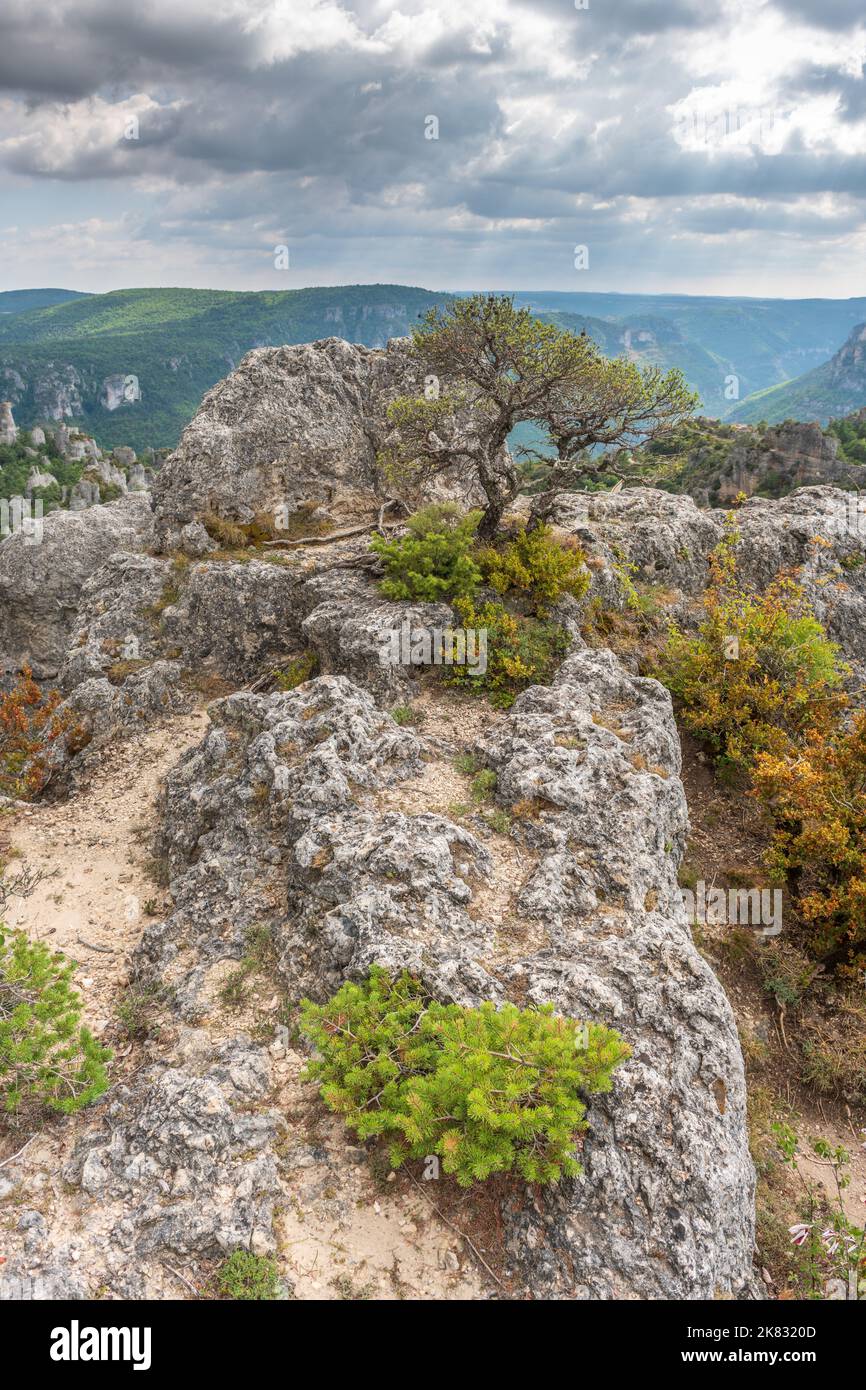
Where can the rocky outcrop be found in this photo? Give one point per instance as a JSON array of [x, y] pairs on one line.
[[121, 388], [275, 819], [8, 427], [289, 426], [192, 1123], [817, 533], [40, 584], [789, 456], [664, 1210]]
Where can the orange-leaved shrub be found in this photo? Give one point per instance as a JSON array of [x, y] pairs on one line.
[[30, 722], [815, 791]]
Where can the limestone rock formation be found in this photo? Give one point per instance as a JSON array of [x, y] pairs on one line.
[[189, 1122], [275, 819], [311, 813], [40, 584], [791, 455], [818, 533], [290, 425], [8, 427]]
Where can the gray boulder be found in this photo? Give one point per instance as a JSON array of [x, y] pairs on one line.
[[40, 584], [290, 427], [184, 1163]]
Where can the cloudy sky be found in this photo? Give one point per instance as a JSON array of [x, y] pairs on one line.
[[714, 146]]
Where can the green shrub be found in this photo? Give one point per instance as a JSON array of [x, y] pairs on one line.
[[246, 1277], [301, 668], [487, 1090], [405, 714], [759, 670], [535, 564], [433, 561], [44, 1055], [520, 652], [483, 784]]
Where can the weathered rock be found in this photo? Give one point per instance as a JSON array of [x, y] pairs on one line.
[[818, 534], [8, 427], [354, 631], [39, 479], [107, 474], [235, 805], [101, 710], [665, 1207], [235, 620], [238, 620], [83, 494], [291, 426], [118, 621], [40, 584], [274, 820], [666, 537], [186, 1162]]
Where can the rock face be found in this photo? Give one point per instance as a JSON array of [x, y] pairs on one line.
[[290, 425], [790, 456], [275, 819], [8, 428], [40, 584], [664, 1210], [186, 1121], [121, 388], [819, 533]]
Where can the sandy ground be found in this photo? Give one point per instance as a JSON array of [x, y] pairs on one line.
[[92, 851]]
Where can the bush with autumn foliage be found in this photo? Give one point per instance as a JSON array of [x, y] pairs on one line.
[[761, 683], [30, 722], [760, 670], [815, 790]]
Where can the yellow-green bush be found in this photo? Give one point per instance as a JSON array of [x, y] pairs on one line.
[[759, 670], [520, 652], [537, 565], [487, 1090]]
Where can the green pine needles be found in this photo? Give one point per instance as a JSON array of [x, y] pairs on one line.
[[487, 1090], [433, 561], [44, 1055]]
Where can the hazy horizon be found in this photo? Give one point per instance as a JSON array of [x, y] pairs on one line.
[[520, 290]]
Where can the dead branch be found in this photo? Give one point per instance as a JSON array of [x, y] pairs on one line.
[[334, 536]]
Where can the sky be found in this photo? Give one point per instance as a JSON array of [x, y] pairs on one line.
[[689, 146]]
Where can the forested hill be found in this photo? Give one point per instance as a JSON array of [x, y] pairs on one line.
[[72, 359], [131, 366]]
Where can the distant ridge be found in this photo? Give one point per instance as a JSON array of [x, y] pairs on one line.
[[131, 366], [835, 389], [19, 301]]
